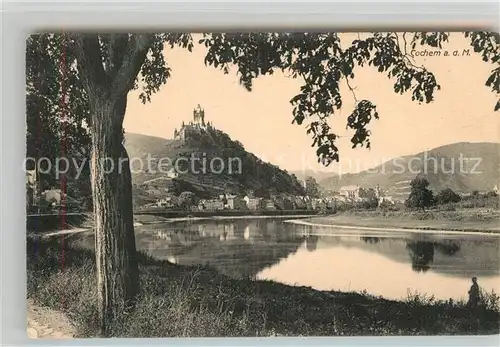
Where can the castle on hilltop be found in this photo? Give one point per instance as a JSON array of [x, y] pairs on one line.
[[197, 125]]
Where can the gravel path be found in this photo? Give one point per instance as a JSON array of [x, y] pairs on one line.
[[44, 323]]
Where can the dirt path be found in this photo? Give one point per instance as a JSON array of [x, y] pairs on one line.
[[44, 323]]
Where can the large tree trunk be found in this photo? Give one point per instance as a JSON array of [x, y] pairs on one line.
[[116, 261], [107, 87]]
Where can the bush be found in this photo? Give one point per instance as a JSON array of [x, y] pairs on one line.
[[186, 200], [479, 202], [491, 194], [447, 196]]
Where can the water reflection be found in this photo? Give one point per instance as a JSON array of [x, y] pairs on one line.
[[240, 248], [311, 242], [391, 265], [369, 239], [383, 263], [421, 254]]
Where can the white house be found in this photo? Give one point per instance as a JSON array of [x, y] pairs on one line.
[[351, 192], [171, 173], [54, 197], [31, 177]]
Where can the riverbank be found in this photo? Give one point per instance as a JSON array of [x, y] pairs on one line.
[[141, 219], [474, 215], [166, 213], [197, 301], [442, 222], [36, 224]]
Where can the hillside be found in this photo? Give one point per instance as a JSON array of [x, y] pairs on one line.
[[480, 170], [219, 165], [318, 175]]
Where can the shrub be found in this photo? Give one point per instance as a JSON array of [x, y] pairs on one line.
[[447, 196]]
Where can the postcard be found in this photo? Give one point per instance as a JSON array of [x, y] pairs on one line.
[[262, 184]]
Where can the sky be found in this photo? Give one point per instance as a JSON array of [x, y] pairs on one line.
[[262, 119]]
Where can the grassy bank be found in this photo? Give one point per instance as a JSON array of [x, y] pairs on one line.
[[197, 301], [460, 220]]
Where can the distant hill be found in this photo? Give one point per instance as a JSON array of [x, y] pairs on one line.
[[479, 171], [240, 171]]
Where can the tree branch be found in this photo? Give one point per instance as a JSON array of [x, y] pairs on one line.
[[89, 60], [117, 46], [405, 43], [351, 89], [404, 52], [133, 58]]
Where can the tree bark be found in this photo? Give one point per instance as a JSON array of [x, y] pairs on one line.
[[116, 261], [107, 88]]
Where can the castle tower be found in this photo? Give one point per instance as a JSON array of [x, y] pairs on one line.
[[199, 116]]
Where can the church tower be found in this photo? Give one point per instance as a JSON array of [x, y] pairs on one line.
[[377, 191]]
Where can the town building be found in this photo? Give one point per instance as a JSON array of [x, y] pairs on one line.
[[351, 192], [254, 204], [284, 203], [211, 205], [340, 198], [318, 204], [383, 198], [55, 197], [330, 203], [236, 203], [299, 203], [269, 205], [171, 173], [166, 202], [195, 208]]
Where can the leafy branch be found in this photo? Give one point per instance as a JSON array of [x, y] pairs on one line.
[[320, 61]]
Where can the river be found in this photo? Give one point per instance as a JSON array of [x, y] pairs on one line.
[[389, 264]]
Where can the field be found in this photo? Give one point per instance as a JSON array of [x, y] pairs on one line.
[[486, 220]]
